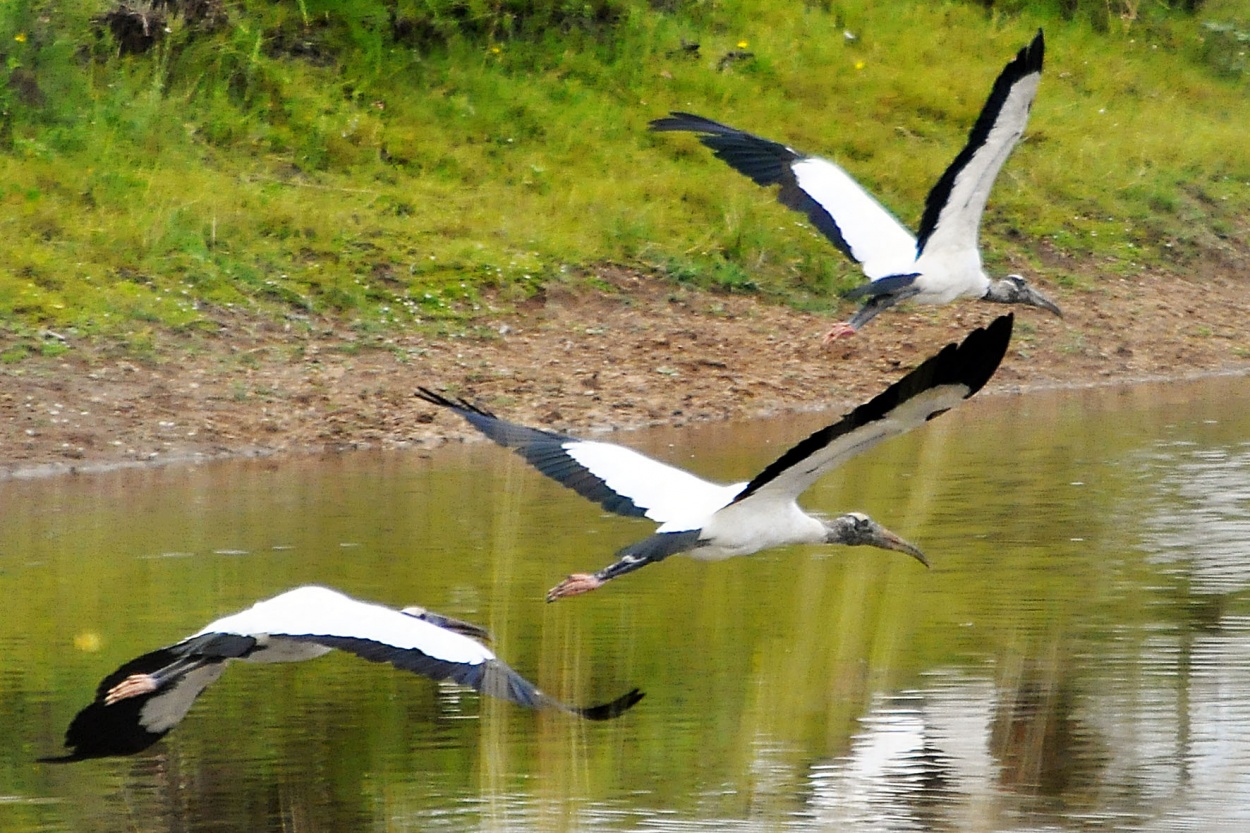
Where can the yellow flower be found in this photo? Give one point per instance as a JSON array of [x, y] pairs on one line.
[[495, 50], [743, 44], [20, 37], [87, 641], [859, 64]]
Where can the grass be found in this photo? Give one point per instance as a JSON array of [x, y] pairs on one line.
[[303, 162]]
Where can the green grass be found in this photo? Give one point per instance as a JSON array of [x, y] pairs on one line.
[[301, 162]]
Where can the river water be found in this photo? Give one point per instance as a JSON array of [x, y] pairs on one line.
[[1077, 658]]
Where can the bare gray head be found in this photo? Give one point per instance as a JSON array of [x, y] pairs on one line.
[[855, 529], [1014, 289], [448, 623]]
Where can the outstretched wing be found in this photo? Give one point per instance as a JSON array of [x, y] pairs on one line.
[[325, 617], [619, 479], [952, 211], [844, 212], [132, 725], [935, 386]]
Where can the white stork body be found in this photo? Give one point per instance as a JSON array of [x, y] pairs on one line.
[[140, 702], [943, 262], [747, 528], [711, 521]]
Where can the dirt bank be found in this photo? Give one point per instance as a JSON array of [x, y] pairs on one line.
[[640, 353]]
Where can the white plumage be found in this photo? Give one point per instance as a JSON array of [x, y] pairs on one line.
[[306, 613], [943, 261], [712, 521], [140, 702]]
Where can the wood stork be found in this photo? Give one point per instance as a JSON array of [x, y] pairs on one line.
[[140, 702], [710, 521], [941, 263]]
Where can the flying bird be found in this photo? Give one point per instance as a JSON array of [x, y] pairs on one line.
[[942, 262], [711, 521], [142, 701]]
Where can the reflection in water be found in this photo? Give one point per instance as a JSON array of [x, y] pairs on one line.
[[899, 774], [959, 755], [1078, 657], [1199, 513]]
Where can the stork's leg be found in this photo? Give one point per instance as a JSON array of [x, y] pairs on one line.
[[579, 583], [649, 550], [867, 312], [136, 685], [871, 308]]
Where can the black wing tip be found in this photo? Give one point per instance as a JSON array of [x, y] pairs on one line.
[[614, 709], [1029, 59], [1036, 50], [459, 405], [982, 350], [678, 120]]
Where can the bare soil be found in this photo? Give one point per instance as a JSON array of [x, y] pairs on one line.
[[640, 352]]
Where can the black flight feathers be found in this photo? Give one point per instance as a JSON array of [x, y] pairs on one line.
[[544, 450], [770, 163], [970, 364], [1027, 61], [766, 162], [608, 711], [493, 677], [98, 730]]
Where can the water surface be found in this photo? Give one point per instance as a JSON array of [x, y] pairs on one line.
[[1078, 657]]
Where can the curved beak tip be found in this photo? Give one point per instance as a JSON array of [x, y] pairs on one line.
[[890, 541], [1040, 300]]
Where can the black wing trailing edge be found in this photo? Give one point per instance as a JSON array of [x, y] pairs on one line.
[[493, 677], [970, 363], [766, 162], [1027, 61], [544, 450]]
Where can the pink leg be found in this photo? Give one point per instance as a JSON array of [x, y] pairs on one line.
[[133, 686], [841, 330], [574, 585]]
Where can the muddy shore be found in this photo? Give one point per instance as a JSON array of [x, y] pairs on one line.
[[641, 352]]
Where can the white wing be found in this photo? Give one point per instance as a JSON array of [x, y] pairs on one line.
[[858, 225], [913, 413], [321, 612], [619, 479], [936, 385], [952, 216], [874, 237], [668, 495]]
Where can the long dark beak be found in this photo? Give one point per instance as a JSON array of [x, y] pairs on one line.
[[887, 540], [450, 623], [1037, 299]]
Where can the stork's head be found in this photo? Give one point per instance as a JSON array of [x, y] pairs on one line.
[[449, 623], [1014, 289], [855, 529]]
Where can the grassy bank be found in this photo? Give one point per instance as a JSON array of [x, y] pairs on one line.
[[412, 164]]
